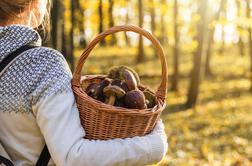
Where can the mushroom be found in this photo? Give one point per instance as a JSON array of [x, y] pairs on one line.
[[135, 100], [132, 71], [114, 73], [113, 92], [150, 99], [130, 80], [99, 92], [91, 89], [118, 71], [120, 84]]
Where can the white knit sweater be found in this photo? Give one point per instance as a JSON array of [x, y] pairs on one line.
[[37, 106]]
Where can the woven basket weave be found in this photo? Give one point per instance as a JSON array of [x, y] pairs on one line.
[[102, 121]]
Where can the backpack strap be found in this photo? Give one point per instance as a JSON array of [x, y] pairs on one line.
[[5, 161], [4, 157], [7, 61], [45, 155]]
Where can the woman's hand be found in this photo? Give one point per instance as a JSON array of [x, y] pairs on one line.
[[158, 133]]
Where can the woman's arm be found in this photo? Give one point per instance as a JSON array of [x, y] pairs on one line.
[[58, 118]]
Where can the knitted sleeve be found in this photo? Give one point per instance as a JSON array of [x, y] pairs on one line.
[[58, 119]]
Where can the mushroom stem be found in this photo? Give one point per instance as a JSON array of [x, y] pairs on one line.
[[111, 100]]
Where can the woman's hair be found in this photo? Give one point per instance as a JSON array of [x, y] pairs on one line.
[[45, 27], [11, 9]]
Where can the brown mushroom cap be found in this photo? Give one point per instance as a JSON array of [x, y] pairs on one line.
[[91, 89], [135, 99], [117, 72], [120, 84], [99, 92], [113, 92], [133, 72], [130, 80]]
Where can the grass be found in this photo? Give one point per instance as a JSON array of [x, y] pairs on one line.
[[218, 132]]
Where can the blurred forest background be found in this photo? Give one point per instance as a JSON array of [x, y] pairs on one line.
[[208, 44]]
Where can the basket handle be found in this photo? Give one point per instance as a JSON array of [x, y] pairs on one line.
[[162, 89]]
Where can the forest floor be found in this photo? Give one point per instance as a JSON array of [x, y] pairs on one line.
[[218, 132]]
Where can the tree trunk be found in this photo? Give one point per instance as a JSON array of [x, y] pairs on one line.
[[223, 35], [153, 17], [100, 12], [81, 24], [66, 47], [240, 41], [153, 20], [175, 78], [64, 43], [208, 71], [196, 71], [127, 40], [241, 45], [141, 55], [223, 43], [163, 37], [57, 21], [111, 21], [71, 37], [250, 41]]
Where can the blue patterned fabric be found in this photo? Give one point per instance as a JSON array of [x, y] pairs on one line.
[[36, 74]]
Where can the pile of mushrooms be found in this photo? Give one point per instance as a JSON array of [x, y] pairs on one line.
[[120, 89]]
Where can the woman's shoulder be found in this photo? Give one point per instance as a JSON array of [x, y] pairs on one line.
[[48, 53], [34, 75], [48, 58], [51, 72]]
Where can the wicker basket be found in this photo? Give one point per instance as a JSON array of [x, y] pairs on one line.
[[102, 121]]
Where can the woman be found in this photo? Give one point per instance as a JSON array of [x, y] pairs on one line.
[[37, 105]]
